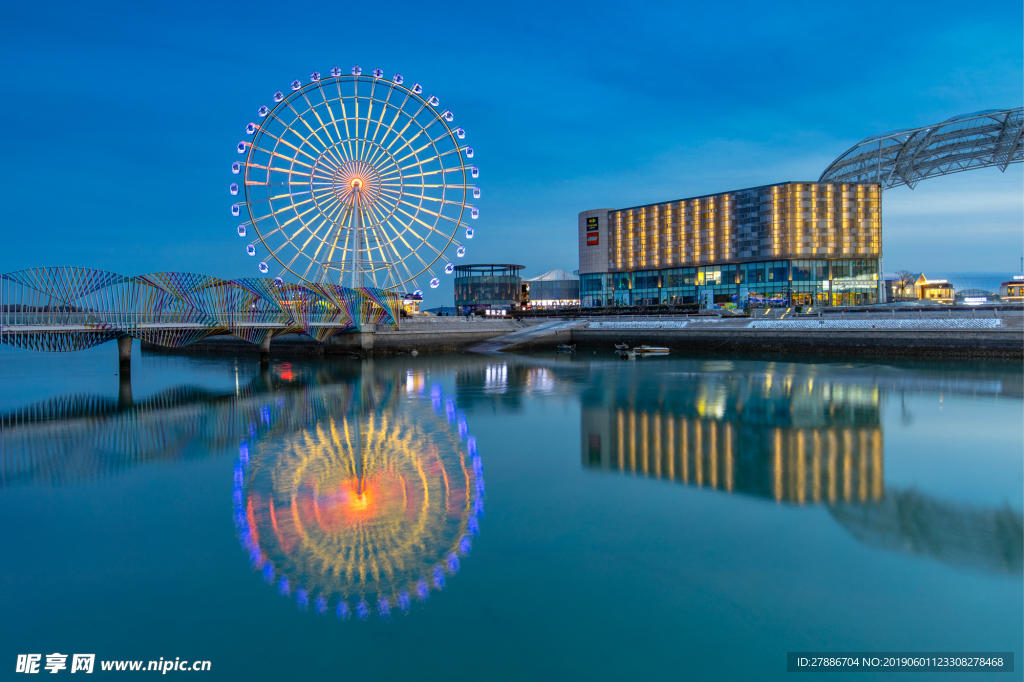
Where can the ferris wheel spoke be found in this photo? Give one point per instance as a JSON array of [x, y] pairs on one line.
[[390, 127], [345, 122], [440, 216], [420, 162], [385, 105], [280, 140]]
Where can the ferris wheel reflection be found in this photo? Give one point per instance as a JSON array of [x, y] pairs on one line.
[[366, 511]]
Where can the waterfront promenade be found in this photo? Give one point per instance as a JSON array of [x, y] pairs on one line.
[[938, 332]]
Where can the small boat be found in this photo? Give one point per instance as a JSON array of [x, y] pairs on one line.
[[650, 350], [566, 348], [627, 355], [622, 346]]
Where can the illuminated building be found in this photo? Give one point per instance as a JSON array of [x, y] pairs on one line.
[[1013, 290], [802, 243]]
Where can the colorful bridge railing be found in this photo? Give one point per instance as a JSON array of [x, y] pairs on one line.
[[67, 308]]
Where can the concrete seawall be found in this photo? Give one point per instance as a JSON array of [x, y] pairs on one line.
[[958, 343], [1002, 338]]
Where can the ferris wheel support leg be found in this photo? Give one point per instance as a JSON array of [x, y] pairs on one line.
[[124, 355]]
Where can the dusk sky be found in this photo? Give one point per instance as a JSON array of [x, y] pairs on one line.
[[122, 118]]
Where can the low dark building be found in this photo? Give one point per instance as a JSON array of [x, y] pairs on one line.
[[488, 285]]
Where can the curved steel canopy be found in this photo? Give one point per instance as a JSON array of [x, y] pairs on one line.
[[905, 157]]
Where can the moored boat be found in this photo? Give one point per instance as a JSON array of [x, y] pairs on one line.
[[650, 350]]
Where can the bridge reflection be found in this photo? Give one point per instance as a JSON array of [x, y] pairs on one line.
[[357, 487]]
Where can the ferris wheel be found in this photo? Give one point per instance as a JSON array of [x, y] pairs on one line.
[[356, 180]]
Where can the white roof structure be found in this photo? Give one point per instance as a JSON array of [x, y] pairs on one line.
[[552, 275]]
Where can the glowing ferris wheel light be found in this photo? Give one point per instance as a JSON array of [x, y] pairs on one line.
[[356, 180]]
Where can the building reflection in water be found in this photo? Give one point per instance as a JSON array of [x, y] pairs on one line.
[[367, 510], [792, 438], [793, 441]]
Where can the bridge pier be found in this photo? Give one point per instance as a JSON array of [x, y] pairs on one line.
[[358, 341], [124, 355], [265, 351]]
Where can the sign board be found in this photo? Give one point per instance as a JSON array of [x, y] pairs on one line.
[[592, 239], [591, 224]]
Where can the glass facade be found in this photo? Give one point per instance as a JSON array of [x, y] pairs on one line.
[[795, 282], [795, 243], [554, 291], [497, 286]]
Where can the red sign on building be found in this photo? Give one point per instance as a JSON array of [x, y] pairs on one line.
[[592, 239]]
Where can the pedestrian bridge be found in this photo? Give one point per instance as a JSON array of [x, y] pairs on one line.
[[68, 309]]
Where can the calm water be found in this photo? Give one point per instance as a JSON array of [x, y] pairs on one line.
[[507, 518]]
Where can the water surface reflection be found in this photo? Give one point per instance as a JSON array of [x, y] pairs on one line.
[[796, 435]]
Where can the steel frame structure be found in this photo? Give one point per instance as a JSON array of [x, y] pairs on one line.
[[905, 157], [353, 179], [69, 308]]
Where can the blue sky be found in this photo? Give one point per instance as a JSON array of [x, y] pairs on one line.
[[122, 118]]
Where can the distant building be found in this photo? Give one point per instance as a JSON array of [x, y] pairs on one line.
[[553, 289], [808, 243], [1013, 290], [411, 303], [937, 290], [488, 285], [915, 286]]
